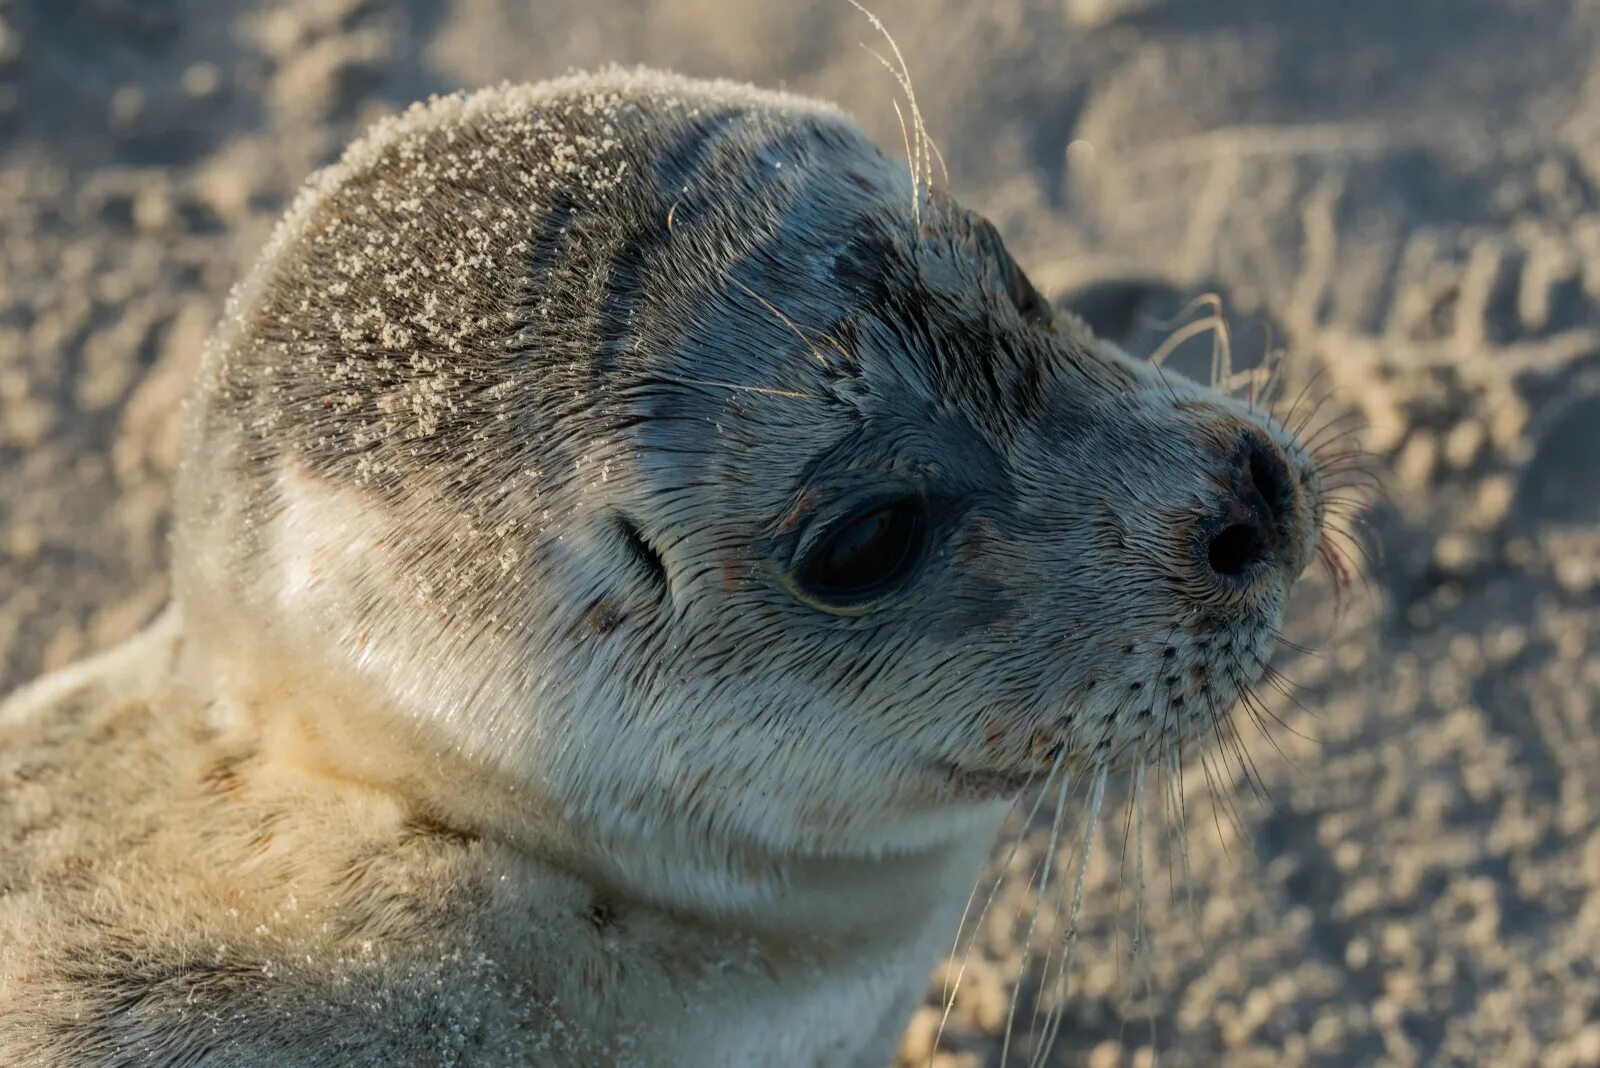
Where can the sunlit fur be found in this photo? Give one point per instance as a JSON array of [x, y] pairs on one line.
[[484, 653]]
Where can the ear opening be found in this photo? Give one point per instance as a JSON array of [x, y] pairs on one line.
[[1029, 302], [646, 558]]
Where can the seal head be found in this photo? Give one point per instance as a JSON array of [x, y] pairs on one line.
[[655, 448]]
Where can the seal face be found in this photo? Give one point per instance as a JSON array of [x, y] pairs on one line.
[[642, 474], [644, 402]]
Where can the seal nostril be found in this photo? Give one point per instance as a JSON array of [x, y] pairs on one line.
[[1234, 550], [1256, 511], [1271, 479]]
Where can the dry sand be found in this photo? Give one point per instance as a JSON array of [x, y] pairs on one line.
[[1403, 193]]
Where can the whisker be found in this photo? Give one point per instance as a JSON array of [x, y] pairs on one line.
[[1005, 865], [1178, 337], [1241, 752], [1217, 732], [1288, 418], [919, 157], [1339, 571], [1303, 650], [1354, 521], [1286, 686], [947, 996], [1274, 361], [1351, 503], [1164, 756], [1329, 463], [1097, 794], [1221, 346], [1354, 494], [1222, 800], [905, 136], [1141, 949], [786, 321], [1336, 425], [1033, 920], [1122, 868], [708, 384], [1355, 543], [1259, 713], [1342, 454], [1174, 753], [1162, 375], [1328, 458], [1344, 446]]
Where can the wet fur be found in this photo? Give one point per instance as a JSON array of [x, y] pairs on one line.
[[484, 729]]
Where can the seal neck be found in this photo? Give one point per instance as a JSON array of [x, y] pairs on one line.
[[335, 738]]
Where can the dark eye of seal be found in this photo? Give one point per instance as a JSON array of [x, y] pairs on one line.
[[864, 556]]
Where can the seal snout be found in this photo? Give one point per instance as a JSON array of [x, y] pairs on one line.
[[1255, 520]]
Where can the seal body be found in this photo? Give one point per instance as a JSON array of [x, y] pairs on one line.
[[177, 891], [632, 542]]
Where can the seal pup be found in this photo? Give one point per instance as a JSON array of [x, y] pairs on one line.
[[632, 542]]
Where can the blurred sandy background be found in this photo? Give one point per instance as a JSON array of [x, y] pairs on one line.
[[1403, 193]]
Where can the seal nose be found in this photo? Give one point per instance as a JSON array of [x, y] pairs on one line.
[[1259, 496]]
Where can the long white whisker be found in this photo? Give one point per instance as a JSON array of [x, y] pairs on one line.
[[1186, 867], [708, 384], [790, 323], [1097, 794], [1042, 1002], [1033, 921], [1005, 865], [920, 159], [1141, 950]]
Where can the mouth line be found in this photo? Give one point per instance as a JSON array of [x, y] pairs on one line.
[[1179, 712], [988, 782]]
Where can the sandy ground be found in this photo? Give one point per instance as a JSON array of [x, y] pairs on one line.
[[1403, 194]]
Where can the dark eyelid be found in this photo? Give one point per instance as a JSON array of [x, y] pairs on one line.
[[817, 532]]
